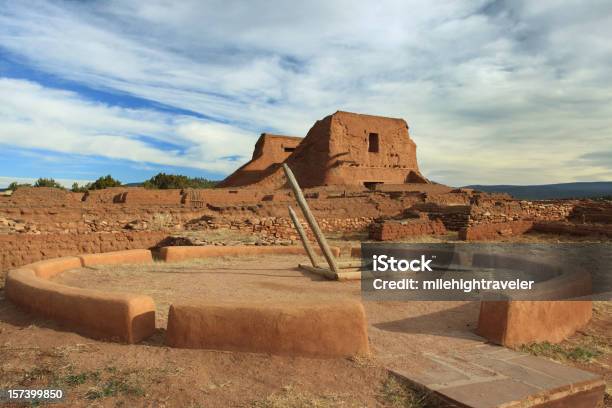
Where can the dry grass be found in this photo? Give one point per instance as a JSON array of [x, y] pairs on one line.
[[396, 393], [393, 393], [563, 353], [290, 397], [591, 345], [55, 369], [589, 349]]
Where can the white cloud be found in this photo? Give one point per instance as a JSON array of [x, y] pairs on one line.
[[33, 116], [494, 91]]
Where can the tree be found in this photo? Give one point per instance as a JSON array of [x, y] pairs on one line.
[[103, 182], [14, 185], [78, 189], [166, 181], [201, 182], [47, 182]]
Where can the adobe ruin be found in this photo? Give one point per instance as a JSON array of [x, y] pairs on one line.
[[270, 151], [333, 163], [342, 149], [112, 226]]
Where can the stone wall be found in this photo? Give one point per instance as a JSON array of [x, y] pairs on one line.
[[112, 210], [487, 210], [89, 219], [484, 232], [592, 211], [454, 217], [493, 209], [496, 217], [21, 249], [48, 195], [396, 230], [274, 229], [153, 197], [116, 209], [263, 213], [560, 227]]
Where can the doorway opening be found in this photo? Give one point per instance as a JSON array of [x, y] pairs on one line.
[[371, 185]]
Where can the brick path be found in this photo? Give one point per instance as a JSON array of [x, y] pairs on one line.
[[486, 376]]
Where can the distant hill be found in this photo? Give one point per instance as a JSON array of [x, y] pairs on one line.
[[552, 191]]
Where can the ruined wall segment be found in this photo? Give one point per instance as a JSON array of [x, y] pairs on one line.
[[370, 149], [270, 151], [48, 195], [590, 211], [20, 249], [342, 149]]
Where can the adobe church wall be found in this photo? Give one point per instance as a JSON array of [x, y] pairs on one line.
[[339, 150]]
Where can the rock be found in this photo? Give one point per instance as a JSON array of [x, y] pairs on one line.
[[136, 225]]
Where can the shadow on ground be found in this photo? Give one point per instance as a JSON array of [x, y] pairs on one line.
[[458, 322]]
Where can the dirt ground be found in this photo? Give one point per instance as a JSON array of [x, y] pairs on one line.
[[589, 349], [36, 352], [277, 279], [39, 353]]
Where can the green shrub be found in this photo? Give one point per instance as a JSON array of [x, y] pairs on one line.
[[41, 182], [14, 185], [166, 181], [104, 182], [78, 189], [101, 183], [47, 182]]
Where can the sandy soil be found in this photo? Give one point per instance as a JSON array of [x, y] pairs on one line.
[[396, 328], [38, 353]]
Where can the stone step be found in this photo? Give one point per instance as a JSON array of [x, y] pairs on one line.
[[488, 376]]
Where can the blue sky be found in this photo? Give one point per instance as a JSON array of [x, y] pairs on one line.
[[494, 92]]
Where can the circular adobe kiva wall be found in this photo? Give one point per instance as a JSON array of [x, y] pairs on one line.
[[512, 322], [330, 329], [515, 322]]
